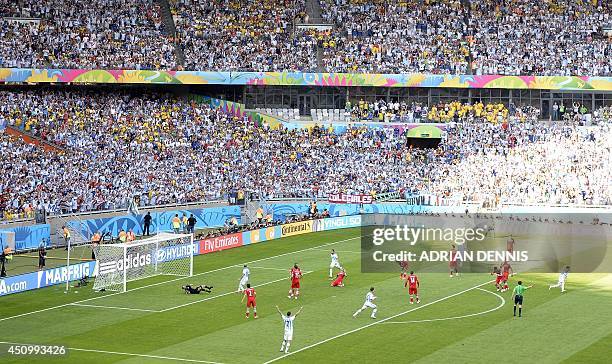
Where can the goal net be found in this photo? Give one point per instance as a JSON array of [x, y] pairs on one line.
[[163, 254]]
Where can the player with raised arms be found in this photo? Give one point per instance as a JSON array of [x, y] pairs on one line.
[[295, 275], [412, 282], [250, 294], [334, 263], [246, 273], [339, 281], [288, 324], [369, 302]]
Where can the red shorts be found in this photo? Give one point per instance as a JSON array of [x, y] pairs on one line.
[[337, 282], [412, 290], [452, 264], [505, 277], [498, 279], [251, 303], [295, 283]]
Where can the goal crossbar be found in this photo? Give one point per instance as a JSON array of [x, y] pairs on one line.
[[163, 254]]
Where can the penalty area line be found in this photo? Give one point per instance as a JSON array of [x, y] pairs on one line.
[[375, 323], [270, 268], [150, 356], [501, 304], [112, 307]]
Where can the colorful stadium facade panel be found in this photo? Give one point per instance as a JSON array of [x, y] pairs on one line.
[[28, 75]]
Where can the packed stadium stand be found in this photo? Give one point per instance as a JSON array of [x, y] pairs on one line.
[[384, 37], [512, 37], [111, 34], [188, 150], [233, 35], [168, 149]]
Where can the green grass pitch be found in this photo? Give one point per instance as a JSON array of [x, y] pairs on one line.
[[462, 319]]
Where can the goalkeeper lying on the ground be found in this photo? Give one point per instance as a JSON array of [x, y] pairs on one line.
[[189, 289]]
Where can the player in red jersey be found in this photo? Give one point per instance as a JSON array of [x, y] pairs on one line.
[[412, 282], [498, 278], [339, 281], [506, 269], [250, 294], [453, 262], [296, 275]]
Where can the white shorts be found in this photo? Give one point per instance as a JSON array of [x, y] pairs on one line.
[[368, 304], [288, 335], [334, 265]]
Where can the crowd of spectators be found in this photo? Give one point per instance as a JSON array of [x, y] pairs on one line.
[[169, 150], [96, 34], [509, 37], [395, 111], [557, 164], [241, 35], [232, 225], [527, 37], [389, 37]]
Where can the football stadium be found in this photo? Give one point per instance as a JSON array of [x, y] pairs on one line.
[[305, 181]]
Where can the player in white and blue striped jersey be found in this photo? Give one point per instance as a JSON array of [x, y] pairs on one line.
[[369, 302], [335, 263], [562, 279], [288, 324]]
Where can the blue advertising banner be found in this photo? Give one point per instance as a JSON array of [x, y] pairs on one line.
[[259, 235], [280, 211], [30, 237], [45, 278]]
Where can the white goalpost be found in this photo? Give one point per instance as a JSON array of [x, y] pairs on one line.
[[163, 254]]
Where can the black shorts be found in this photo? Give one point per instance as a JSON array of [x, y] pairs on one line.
[[518, 300]]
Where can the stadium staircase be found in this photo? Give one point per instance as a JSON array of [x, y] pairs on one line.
[[169, 29], [249, 211], [31, 139], [80, 233], [313, 10], [466, 20]]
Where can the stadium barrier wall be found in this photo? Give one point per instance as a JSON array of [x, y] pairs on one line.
[[206, 218], [75, 76], [280, 211], [30, 236]]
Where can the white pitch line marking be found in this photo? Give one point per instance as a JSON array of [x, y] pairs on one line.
[[125, 354], [373, 323], [340, 251], [113, 307], [224, 294], [503, 302], [270, 268], [176, 279]]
